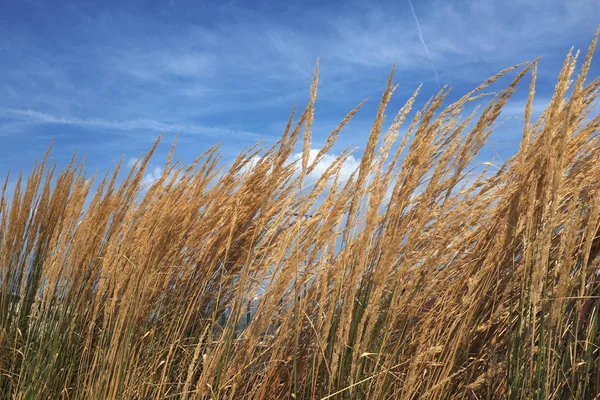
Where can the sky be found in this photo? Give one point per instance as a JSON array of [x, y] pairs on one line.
[[105, 78]]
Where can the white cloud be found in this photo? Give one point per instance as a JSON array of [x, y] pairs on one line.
[[250, 165], [349, 166], [132, 161], [151, 176]]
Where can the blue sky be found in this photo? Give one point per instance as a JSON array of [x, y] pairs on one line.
[[107, 77]]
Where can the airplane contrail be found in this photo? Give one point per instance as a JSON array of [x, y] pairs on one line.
[[412, 9]]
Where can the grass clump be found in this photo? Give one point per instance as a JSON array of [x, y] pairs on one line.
[[414, 278]]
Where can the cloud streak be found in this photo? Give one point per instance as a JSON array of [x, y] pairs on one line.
[[36, 117], [414, 14]]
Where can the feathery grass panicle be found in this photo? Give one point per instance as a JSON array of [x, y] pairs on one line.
[[423, 274]]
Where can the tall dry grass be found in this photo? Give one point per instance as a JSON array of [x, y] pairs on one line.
[[410, 280]]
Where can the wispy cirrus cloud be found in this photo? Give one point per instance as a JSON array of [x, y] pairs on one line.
[[126, 125]]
